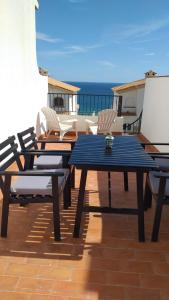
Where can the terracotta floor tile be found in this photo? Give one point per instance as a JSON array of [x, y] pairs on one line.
[[74, 298], [161, 268], [21, 269], [57, 273], [39, 262], [122, 279], [90, 291], [28, 284], [14, 296], [69, 289], [108, 292], [45, 297], [105, 264], [136, 267], [142, 294], [8, 282], [3, 267], [164, 294], [154, 282], [150, 256], [96, 276]]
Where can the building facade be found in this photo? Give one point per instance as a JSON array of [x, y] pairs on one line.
[[23, 90]]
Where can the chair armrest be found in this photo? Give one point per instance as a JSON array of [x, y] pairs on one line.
[[90, 122], [46, 152], [69, 121], [32, 173], [55, 142], [162, 175], [159, 154]]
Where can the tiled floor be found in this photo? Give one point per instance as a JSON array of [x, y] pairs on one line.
[[106, 263]]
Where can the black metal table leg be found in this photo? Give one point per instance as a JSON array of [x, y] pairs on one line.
[[43, 146], [80, 203], [109, 188], [73, 178], [73, 170], [140, 203], [126, 187]]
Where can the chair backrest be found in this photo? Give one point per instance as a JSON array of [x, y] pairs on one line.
[[9, 154], [27, 139], [105, 120], [52, 120]]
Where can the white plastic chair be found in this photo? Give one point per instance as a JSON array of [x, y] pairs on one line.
[[53, 123], [105, 120]]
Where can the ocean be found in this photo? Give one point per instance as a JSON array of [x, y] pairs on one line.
[[94, 96]]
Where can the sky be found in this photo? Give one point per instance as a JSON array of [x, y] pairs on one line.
[[102, 40]]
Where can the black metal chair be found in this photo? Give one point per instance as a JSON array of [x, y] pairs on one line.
[[157, 185], [31, 186], [28, 141], [160, 157]]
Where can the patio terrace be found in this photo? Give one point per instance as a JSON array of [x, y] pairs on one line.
[[106, 263]]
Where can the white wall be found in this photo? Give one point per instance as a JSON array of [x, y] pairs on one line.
[[133, 98], [23, 91], [140, 99], [155, 120], [129, 101]]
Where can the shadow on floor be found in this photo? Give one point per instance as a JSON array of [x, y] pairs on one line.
[[30, 232]]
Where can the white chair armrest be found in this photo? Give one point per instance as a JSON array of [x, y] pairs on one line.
[[90, 122], [69, 121]]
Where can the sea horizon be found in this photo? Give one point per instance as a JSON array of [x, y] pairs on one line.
[[92, 87], [94, 96]]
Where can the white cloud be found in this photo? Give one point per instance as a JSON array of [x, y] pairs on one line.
[[55, 53], [73, 49], [94, 46], [76, 49], [150, 54], [80, 49], [106, 63], [46, 38], [149, 40], [135, 31]]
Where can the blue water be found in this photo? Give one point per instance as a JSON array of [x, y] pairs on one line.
[[94, 96]]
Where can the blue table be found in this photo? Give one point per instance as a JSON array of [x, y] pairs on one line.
[[127, 155]]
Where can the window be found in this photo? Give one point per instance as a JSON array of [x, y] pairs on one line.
[[58, 102]]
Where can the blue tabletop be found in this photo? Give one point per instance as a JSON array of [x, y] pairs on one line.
[[90, 152]]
